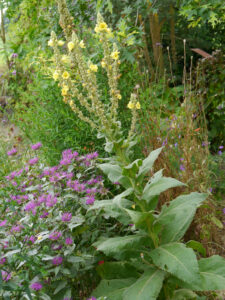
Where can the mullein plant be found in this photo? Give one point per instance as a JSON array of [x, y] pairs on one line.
[[151, 262]]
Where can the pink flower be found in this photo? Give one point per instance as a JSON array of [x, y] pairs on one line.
[[66, 217], [6, 276], [55, 235], [13, 151], [57, 260], [36, 286], [2, 261], [36, 146], [33, 161], [69, 241], [3, 223]]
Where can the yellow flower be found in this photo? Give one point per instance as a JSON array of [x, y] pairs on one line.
[[103, 27], [93, 68], [65, 75], [61, 43], [115, 55], [96, 29], [130, 105], [81, 44], [39, 237], [55, 75], [118, 96], [65, 59], [138, 105], [103, 63], [65, 89], [70, 46], [133, 206], [50, 43]]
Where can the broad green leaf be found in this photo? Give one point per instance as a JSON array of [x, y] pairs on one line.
[[177, 217], [183, 294], [101, 204], [155, 188], [113, 245], [114, 173], [60, 285], [119, 198], [113, 289], [115, 270], [178, 260], [217, 222], [147, 287], [149, 162], [212, 273], [196, 246], [140, 218]]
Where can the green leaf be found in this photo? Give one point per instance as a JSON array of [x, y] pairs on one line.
[[183, 294], [196, 246], [212, 273], [115, 270], [177, 217], [113, 289], [217, 222], [60, 285], [178, 260], [156, 187], [113, 245], [149, 162], [140, 218], [114, 173], [147, 287]]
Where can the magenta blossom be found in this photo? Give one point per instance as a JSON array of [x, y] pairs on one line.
[[57, 260], [36, 286], [55, 235], [33, 161], [66, 217], [2, 223], [36, 146], [90, 200], [6, 276], [69, 241], [2, 261], [13, 151]]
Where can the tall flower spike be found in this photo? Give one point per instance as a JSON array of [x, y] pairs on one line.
[[66, 20], [133, 106]]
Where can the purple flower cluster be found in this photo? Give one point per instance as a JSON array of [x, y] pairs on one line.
[[13, 151], [57, 260], [36, 286], [36, 146]]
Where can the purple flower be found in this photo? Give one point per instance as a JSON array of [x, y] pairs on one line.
[[2, 261], [92, 298], [55, 235], [220, 152], [224, 210], [6, 276], [175, 145], [66, 217], [13, 151], [44, 215], [69, 241], [57, 260], [36, 286], [14, 55], [36, 146], [182, 168], [65, 161], [30, 206], [14, 72], [33, 161], [90, 200], [32, 239], [16, 228], [51, 201], [2, 223], [56, 247], [220, 147]]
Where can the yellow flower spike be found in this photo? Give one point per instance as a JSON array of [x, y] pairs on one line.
[[55, 75], [65, 75], [71, 46], [130, 105], [50, 43], [65, 90], [118, 96], [138, 105], [115, 55], [93, 68], [102, 27], [133, 206], [82, 45], [61, 43], [103, 64], [65, 59], [96, 29]]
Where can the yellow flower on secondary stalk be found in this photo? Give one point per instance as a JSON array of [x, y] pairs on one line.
[[103, 64], [93, 68], [71, 46], [118, 96], [101, 27], [61, 43], [65, 90], [130, 105], [115, 55], [50, 43], [65, 59], [82, 45], [55, 75], [65, 75], [138, 105]]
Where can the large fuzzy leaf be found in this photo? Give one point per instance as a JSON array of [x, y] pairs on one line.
[[212, 273], [147, 287], [116, 270], [177, 217], [159, 185], [177, 260], [183, 294], [113, 245], [148, 162], [114, 173], [113, 289]]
